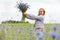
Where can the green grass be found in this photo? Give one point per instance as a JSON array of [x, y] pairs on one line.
[[27, 31]]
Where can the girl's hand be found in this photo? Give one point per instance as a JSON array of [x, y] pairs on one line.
[[24, 14]]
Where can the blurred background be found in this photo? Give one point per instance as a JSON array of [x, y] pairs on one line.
[[9, 10]]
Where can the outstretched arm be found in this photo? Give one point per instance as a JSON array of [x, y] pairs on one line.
[[33, 17]]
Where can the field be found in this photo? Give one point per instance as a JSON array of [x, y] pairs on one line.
[[24, 31]]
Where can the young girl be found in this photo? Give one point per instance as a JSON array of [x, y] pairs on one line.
[[39, 22]]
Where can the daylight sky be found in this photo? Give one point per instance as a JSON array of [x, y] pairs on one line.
[[9, 10]]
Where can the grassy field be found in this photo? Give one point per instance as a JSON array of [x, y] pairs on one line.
[[23, 31]]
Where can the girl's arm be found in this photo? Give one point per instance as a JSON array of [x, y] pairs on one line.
[[33, 17]]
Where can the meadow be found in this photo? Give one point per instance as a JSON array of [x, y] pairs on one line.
[[26, 31]]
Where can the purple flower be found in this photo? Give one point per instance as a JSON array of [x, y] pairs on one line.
[[23, 7], [54, 35], [12, 26], [54, 27], [6, 28]]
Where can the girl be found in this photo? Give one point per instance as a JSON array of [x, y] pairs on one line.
[[39, 22]]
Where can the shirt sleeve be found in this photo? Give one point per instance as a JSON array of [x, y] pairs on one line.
[[33, 17]]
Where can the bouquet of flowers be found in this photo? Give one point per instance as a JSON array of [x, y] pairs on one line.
[[23, 7]]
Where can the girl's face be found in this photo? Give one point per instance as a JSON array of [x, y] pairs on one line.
[[41, 12]]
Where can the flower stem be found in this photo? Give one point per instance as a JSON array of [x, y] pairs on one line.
[[23, 18]]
